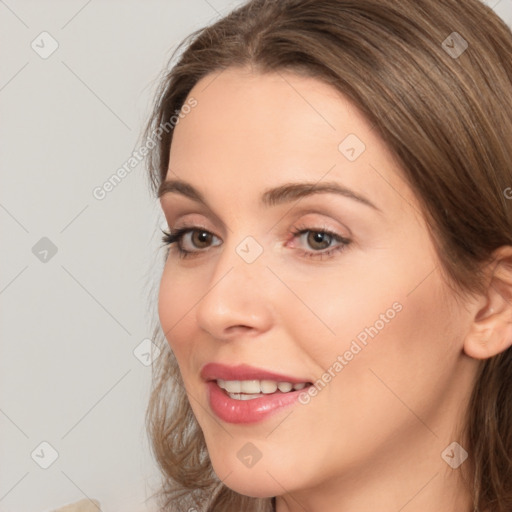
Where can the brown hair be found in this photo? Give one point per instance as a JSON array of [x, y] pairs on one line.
[[448, 119]]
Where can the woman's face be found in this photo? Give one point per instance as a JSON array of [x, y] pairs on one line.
[[363, 314]]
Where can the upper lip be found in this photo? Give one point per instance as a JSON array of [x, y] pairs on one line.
[[214, 371]]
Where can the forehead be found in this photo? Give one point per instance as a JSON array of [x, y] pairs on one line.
[[256, 130], [281, 107]]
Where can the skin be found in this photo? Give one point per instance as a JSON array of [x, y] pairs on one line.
[[372, 438]]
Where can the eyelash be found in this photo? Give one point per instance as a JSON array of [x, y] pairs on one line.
[[178, 234]]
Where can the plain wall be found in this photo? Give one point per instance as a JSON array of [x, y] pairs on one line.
[[72, 319]]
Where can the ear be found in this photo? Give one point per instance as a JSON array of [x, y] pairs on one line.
[[491, 330]]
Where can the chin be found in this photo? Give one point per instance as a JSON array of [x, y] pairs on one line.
[[264, 487], [260, 481]]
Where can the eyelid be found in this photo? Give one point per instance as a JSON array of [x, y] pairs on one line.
[[315, 219], [340, 229], [194, 219], [291, 215], [188, 215]]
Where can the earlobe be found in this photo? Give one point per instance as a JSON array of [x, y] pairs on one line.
[[491, 330], [482, 344]]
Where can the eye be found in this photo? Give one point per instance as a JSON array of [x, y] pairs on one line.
[[319, 238], [177, 236]]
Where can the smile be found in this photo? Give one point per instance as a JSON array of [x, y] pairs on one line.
[[250, 389], [244, 394]]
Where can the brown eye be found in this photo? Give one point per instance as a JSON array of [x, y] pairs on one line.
[[317, 240], [189, 241], [201, 237]]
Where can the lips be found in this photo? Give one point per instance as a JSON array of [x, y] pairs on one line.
[[232, 408], [215, 371]]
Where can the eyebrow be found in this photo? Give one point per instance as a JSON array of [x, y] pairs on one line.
[[271, 197]]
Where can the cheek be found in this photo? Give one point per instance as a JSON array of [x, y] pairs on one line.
[[387, 305], [333, 313], [173, 305], [166, 303], [406, 360], [373, 334]]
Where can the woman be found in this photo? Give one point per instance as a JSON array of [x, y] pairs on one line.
[[336, 302]]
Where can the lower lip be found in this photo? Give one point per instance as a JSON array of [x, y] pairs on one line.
[[247, 411]]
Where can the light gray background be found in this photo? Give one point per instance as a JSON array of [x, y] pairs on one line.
[[70, 325]]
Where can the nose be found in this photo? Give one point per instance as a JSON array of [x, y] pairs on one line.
[[237, 298]]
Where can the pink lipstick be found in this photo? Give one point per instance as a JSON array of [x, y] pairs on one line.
[[245, 394]]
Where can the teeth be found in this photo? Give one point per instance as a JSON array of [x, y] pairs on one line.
[[250, 386], [268, 386], [233, 386], [248, 389], [285, 386], [241, 396]]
